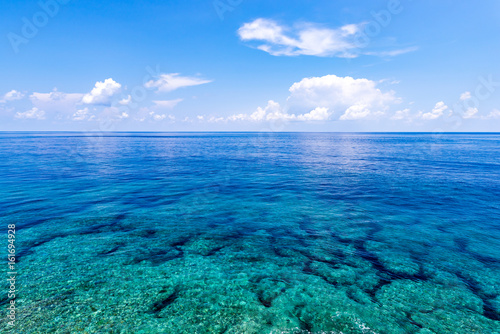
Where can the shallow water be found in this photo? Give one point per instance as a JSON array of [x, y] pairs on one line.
[[253, 233]]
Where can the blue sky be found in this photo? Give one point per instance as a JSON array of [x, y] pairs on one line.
[[250, 65]]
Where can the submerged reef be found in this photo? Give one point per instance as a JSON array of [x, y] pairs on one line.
[[290, 275]]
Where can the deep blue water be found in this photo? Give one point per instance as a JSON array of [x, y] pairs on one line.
[[253, 233]]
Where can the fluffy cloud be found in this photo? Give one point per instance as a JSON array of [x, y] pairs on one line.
[[470, 113], [102, 92], [272, 111], [355, 112], [55, 101], [465, 96], [494, 114], [173, 81], [348, 97], [436, 113], [126, 101], [325, 97], [318, 114], [212, 119], [401, 114], [166, 104], [161, 117], [11, 96], [33, 113], [305, 39], [83, 115]]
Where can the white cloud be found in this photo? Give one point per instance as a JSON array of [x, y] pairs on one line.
[[435, 113], [465, 96], [347, 97], [33, 113], [212, 119], [272, 111], [167, 104], [355, 112], [401, 114], [470, 113], [102, 92], [173, 81], [11, 96], [157, 117], [318, 114], [305, 39], [494, 114], [56, 101], [325, 97], [83, 115], [161, 117], [148, 114], [126, 101]]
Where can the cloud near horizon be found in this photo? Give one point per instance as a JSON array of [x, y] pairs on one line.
[[437, 112], [103, 102], [494, 114], [312, 100], [56, 102], [166, 104], [102, 92], [83, 115], [33, 113], [333, 98], [173, 81], [346, 97], [326, 98]]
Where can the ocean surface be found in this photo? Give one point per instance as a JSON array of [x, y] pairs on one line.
[[252, 232]]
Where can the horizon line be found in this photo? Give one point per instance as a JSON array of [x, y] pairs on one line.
[[372, 132]]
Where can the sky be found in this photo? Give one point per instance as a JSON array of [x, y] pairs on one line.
[[250, 65]]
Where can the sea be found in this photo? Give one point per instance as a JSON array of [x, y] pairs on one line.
[[250, 232]]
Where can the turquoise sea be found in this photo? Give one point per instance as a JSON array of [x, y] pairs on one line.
[[252, 232]]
